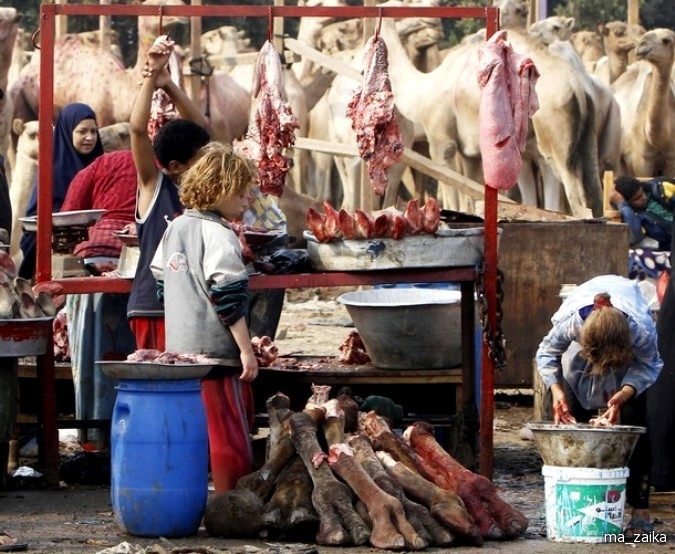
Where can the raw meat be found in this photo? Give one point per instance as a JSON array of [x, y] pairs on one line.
[[507, 100], [272, 125], [162, 109], [353, 350], [265, 350], [373, 116]]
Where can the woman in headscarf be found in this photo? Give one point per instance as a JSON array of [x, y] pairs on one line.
[[77, 143]]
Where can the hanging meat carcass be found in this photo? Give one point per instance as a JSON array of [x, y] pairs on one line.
[[272, 124], [162, 109], [373, 116]]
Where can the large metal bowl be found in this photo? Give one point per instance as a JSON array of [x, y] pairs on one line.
[[408, 328], [153, 371], [582, 445], [25, 336]]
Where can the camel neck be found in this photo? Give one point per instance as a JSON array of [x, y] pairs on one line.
[[617, 62], [658, 124]]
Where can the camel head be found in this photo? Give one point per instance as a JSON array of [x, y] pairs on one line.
[[588, 45], [617, 37], [28, 137], [223, 41], [9, 22], [552, 28], [512, 13], [658, 47]]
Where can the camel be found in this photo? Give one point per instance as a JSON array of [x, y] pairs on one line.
[[618, 40], [23, 177], [9, 28], [607, 117], [444, 104], [552, 28], [588, 45], [82, 73], [556, 32], [343, 40], [21, 54], [645, 96], [512, 13]]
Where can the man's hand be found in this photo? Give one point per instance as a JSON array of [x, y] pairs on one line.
[[561, 410], [616, 198]]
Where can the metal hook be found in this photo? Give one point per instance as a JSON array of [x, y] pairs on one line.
[[161, 19], [34, 37], [379, 24], [270, 24]]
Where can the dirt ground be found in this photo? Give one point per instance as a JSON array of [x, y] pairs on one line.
[[79, 518]]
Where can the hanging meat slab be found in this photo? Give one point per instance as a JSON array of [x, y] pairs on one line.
[[272, 125], [373, 116]]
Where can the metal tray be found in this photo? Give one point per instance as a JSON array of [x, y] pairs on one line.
[[153, 371], [76, 218], [447, 248]]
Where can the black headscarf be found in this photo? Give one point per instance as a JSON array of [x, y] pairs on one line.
[[66, 163]]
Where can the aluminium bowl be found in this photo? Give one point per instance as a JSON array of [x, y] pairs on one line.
[[410, 328], [583, 445]]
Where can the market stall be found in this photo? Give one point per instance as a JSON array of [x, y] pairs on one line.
[[486, 273]]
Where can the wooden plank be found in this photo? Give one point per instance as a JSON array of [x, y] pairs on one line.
[[414, 160], [333, 64]]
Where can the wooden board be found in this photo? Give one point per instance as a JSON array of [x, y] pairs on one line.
[[537, 258]]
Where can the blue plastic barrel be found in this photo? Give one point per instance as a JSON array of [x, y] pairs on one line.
[[159, 457]]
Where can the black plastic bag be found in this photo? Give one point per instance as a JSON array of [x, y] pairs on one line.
[[289, 260]]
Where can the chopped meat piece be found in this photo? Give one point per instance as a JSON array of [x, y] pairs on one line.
[[266, 352], [353, 350], [347, 224]]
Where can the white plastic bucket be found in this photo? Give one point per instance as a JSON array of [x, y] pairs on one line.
[[584, 504]]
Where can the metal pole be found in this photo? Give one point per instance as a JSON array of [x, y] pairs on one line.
[[104, 28], [195, 50], [487, 382]]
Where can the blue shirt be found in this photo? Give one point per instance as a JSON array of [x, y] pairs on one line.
[[558, 354]]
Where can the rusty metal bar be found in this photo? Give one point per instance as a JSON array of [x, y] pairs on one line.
[[486, 432]]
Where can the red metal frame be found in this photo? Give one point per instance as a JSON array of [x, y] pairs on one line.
[[48, 13]]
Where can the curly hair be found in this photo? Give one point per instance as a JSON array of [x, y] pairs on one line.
[[605, 338], [218, 174]]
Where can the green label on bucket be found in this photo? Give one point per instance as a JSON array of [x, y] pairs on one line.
[[585, 510]]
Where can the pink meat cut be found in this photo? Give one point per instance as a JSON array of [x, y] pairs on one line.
[[507, 100], [373, 116], [272, 125]]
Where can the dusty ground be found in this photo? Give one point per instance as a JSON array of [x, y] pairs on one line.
[[80, 518]]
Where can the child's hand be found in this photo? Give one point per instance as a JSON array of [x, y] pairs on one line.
[[561, 410], [249, 364], [157, 57]]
